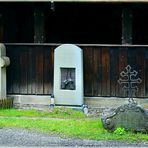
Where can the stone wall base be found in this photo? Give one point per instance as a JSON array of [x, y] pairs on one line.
[[96, 105], [31, 102]]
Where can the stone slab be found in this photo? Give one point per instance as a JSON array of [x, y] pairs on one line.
[[129, 116]]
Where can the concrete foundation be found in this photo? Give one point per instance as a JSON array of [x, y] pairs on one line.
[[95, 104], [31, 101], [98, 104]]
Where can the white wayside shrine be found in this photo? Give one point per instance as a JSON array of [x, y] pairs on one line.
[[68, 75]]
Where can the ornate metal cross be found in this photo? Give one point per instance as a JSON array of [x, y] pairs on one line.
[[129, 81]]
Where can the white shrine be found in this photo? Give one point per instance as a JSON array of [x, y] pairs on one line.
[[68, 75]]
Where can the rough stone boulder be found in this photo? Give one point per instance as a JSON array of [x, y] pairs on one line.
[[129, 116]]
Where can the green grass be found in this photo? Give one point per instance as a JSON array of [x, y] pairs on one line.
[[84, 129], [71, 126], [55, 113]]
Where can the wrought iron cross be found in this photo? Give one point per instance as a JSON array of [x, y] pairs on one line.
[[129, 81]]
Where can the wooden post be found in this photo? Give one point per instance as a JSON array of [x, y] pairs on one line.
[[126, 26], [1, 27], [39, 26]]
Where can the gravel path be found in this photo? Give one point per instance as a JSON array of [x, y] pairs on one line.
[[20, 137]]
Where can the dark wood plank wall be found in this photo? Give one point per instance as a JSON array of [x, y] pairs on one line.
[[31, 69]]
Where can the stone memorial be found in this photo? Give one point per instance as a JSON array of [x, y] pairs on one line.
[[4, 62], [68, 75], [129, 116]]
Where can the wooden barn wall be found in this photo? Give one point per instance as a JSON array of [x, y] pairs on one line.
[[102, 67], [31, 69]]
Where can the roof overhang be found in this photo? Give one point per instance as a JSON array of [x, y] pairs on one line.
[[129, 1]]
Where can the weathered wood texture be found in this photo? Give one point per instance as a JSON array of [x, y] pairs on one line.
[[39, 26], [126, 26], [31, 69]]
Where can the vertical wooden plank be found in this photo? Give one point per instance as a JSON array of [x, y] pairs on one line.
[[136, 61], [140, 62], [132, 61], [9, 70], [88, 71], [146, 72], [105, 72], [97, 72], [39, 70], [39, 25], [23, 70], [47, 64], [132, 53], [52, 68], [26, 25], [114, 71], [123, 61], [33, 67], [10, 29], [1, 27], [126, 25], [16, 70], [48, 70], [29, 69]]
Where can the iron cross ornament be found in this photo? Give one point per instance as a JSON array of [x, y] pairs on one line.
[[129, 81]]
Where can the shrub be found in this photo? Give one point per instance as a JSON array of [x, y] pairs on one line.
[[120, 131]]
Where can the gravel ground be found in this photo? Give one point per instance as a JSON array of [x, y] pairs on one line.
[[25, 138]]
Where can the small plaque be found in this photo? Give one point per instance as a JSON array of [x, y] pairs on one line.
[[68, 78]]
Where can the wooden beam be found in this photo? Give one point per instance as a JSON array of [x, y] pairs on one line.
[[1, 28], [126, 26], [39, 26], [126, 1]]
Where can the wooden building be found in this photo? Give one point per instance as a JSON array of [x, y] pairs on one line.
[[111, 33]]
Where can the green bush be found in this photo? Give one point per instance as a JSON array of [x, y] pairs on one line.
[[120, 131]]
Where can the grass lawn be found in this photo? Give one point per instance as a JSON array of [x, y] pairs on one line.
[[65, 123], [64, 113]]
